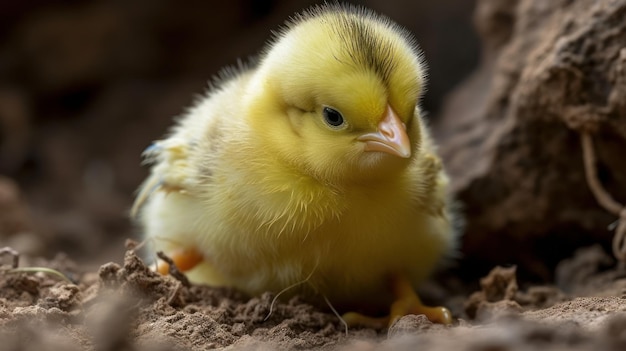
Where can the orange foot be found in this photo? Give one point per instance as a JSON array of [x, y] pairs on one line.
[[184, 259], [406, 302]]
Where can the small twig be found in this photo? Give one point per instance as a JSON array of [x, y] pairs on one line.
[[41, 270], [10, 251], [343, 321], [173, 270], [619, 240], [133, 245], [306, 280], [175, 294], [16, 262], [603, 197]]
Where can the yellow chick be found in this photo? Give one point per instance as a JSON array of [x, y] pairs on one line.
[[312, 172]]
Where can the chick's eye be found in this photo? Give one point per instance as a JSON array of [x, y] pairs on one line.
[[333, 117]]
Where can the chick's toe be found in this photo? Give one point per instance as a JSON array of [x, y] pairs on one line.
[[406, 302], [184, 259]]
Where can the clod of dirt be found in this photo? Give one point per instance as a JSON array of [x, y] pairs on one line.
[[500, 296], [510, 136], [65, 297], [130, 307], [412, 324], [540, 296], [498, 290]]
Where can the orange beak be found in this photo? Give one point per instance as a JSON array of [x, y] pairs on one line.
[[390, 137]]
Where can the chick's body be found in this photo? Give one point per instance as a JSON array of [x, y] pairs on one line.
[[282, 175]]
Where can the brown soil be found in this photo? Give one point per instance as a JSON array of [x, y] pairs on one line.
[[130, 307]]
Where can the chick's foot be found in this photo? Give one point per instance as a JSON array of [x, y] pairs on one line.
[[184, 259], [406, 302]]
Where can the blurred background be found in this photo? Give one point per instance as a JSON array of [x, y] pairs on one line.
[[85, 86]]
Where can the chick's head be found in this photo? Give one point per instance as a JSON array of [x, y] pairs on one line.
[[336, 95]]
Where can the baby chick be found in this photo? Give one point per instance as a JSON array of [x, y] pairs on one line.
[[312, 172]]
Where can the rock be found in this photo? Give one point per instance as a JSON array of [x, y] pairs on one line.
[[497, 295], [410, 324], [510, 134]]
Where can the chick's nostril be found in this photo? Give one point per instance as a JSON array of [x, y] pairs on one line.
[[388, 132]]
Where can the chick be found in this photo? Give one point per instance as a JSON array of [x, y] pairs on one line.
[[312, 172]]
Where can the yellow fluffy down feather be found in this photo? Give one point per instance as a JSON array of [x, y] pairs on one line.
[[313, 170]]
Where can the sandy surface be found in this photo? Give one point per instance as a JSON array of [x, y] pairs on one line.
[[129, 307]]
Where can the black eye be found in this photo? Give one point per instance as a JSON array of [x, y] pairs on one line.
[[333, 117]]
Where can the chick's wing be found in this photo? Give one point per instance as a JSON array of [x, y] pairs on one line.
[[170, 172]]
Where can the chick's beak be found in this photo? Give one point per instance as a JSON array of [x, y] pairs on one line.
[[390, 137]]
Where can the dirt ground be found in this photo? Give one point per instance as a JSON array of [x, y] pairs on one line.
[[129, 307], [61, 305]]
